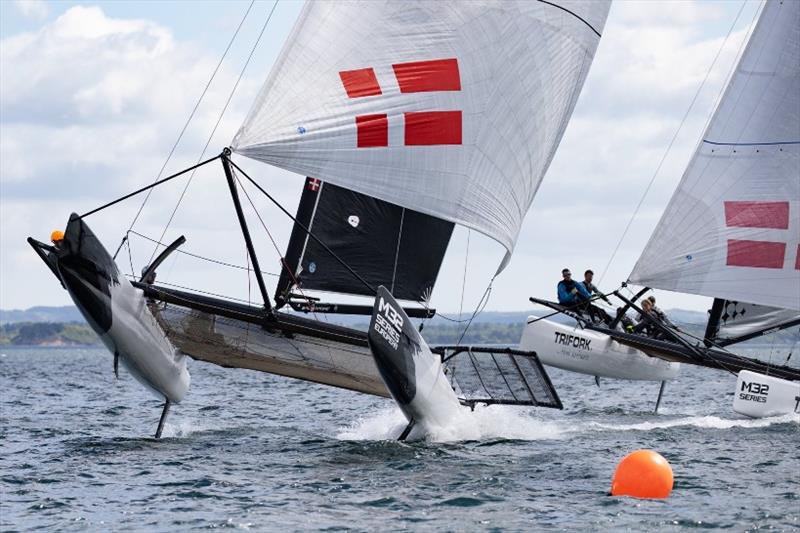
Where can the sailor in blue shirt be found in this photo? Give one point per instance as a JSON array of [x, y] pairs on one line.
[[570, 292]]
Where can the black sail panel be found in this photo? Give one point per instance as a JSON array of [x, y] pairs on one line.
[[384, 243]]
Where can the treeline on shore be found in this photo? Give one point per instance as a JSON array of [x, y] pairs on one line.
[[48, 334], [77, 334], [80, 334]]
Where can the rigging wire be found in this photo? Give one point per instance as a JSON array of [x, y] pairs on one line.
[[275, 245], [216, 125], [203, 258], [152, 185], [478, 309], [222, 296], [304, 227], [669, 146], [464, 278], [186, 124]]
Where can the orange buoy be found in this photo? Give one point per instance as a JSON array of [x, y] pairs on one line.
[[56, 236], [642, 474]]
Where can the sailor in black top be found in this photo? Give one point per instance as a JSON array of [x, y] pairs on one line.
[[593, 290]]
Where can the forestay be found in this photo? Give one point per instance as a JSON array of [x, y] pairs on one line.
[[732, 228], [453, 109]]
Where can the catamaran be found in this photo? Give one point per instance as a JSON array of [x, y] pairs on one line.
[[731, 231], [405, 119]]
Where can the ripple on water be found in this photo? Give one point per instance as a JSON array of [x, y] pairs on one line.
[[283, 455]]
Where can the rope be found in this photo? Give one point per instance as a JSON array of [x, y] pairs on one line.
[[186, 124], [669, 147], [216, 125], [397, 249]]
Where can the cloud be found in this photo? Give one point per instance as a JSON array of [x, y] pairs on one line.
[[100, 100], [90, 107], [32, 9], [91, 104]]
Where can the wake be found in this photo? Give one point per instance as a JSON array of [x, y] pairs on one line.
[[504, 422]]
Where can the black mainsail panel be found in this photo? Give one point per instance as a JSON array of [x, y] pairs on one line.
[[732, 322], [382, 242]]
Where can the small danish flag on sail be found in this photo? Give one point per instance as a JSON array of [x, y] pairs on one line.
[[313, 184]]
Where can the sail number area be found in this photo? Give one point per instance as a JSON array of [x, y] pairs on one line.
[[389, 324]]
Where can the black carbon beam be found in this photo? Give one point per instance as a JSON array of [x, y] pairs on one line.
[[163, 419], [226, 163], [404, 435], [660, 394]]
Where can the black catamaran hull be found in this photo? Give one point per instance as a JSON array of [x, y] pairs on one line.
[[414, 376], [115, 310]]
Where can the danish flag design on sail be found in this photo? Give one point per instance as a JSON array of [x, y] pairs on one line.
[[422, 128], [759, 215], [312, 184]]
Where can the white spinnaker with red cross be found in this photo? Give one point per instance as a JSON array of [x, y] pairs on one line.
[[732, 228], [454, 109]]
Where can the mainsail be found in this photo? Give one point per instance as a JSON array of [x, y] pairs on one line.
[[732, 228], [379, 241], [452, 109]]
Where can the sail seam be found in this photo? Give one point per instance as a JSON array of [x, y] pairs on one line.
[[573, 14]]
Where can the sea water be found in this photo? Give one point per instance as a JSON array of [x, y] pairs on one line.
[[252, 451]]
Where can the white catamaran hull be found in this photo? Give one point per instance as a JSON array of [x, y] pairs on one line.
[[118, 312], [414, 376], [760, 396], [591, 352], [142, 345]]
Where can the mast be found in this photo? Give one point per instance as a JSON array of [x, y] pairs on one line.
[[245, 231], [712, 327]]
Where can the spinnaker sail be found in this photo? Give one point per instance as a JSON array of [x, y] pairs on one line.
[[452, 109]]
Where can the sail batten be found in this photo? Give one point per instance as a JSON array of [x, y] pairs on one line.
[[450, 109], [732, 228]]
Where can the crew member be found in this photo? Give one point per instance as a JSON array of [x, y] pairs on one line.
[[595, 311], [570, 292], [588, 276], [646, 320]]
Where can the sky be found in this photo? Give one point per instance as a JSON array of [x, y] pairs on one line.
[[94, 95]]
